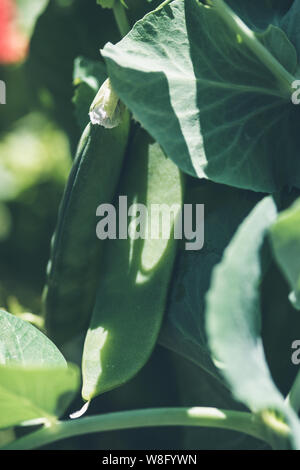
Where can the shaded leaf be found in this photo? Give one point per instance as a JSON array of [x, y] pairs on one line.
[[183, 329], [259, 14]]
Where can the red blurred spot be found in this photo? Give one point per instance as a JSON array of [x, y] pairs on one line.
[[13, 43]]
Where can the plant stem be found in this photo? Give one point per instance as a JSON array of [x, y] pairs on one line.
[[121, 18], [152, 417], [250, 39], [162, 5]]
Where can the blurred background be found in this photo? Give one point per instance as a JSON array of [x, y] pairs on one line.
[[39, 41]]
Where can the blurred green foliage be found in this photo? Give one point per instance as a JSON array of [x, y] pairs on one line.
[[39, 130]]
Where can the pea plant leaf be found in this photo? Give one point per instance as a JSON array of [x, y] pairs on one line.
[[35, 380], [290, 24], [233, 320], [183, 329], [237, 84], [285, 238]]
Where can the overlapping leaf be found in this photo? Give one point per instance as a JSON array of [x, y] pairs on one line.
[[233, 319], [214, 105]]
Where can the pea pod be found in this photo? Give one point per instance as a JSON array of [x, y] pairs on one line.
[[136, 272], [74, 264]]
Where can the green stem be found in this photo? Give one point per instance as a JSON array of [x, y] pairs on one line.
[[207, 417], [250, 39], [162, 5], [121, 18]]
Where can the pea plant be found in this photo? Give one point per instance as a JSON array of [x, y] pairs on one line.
[[189, 103]]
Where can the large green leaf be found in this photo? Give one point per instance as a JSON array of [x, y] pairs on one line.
[[35, 380], [233, 320], [183, 329], [285, 236], [215, 95]]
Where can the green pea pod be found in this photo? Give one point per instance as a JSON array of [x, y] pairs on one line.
[[136, 270], [73, 269]]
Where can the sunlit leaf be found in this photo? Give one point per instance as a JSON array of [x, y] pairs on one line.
[[220, 109]]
